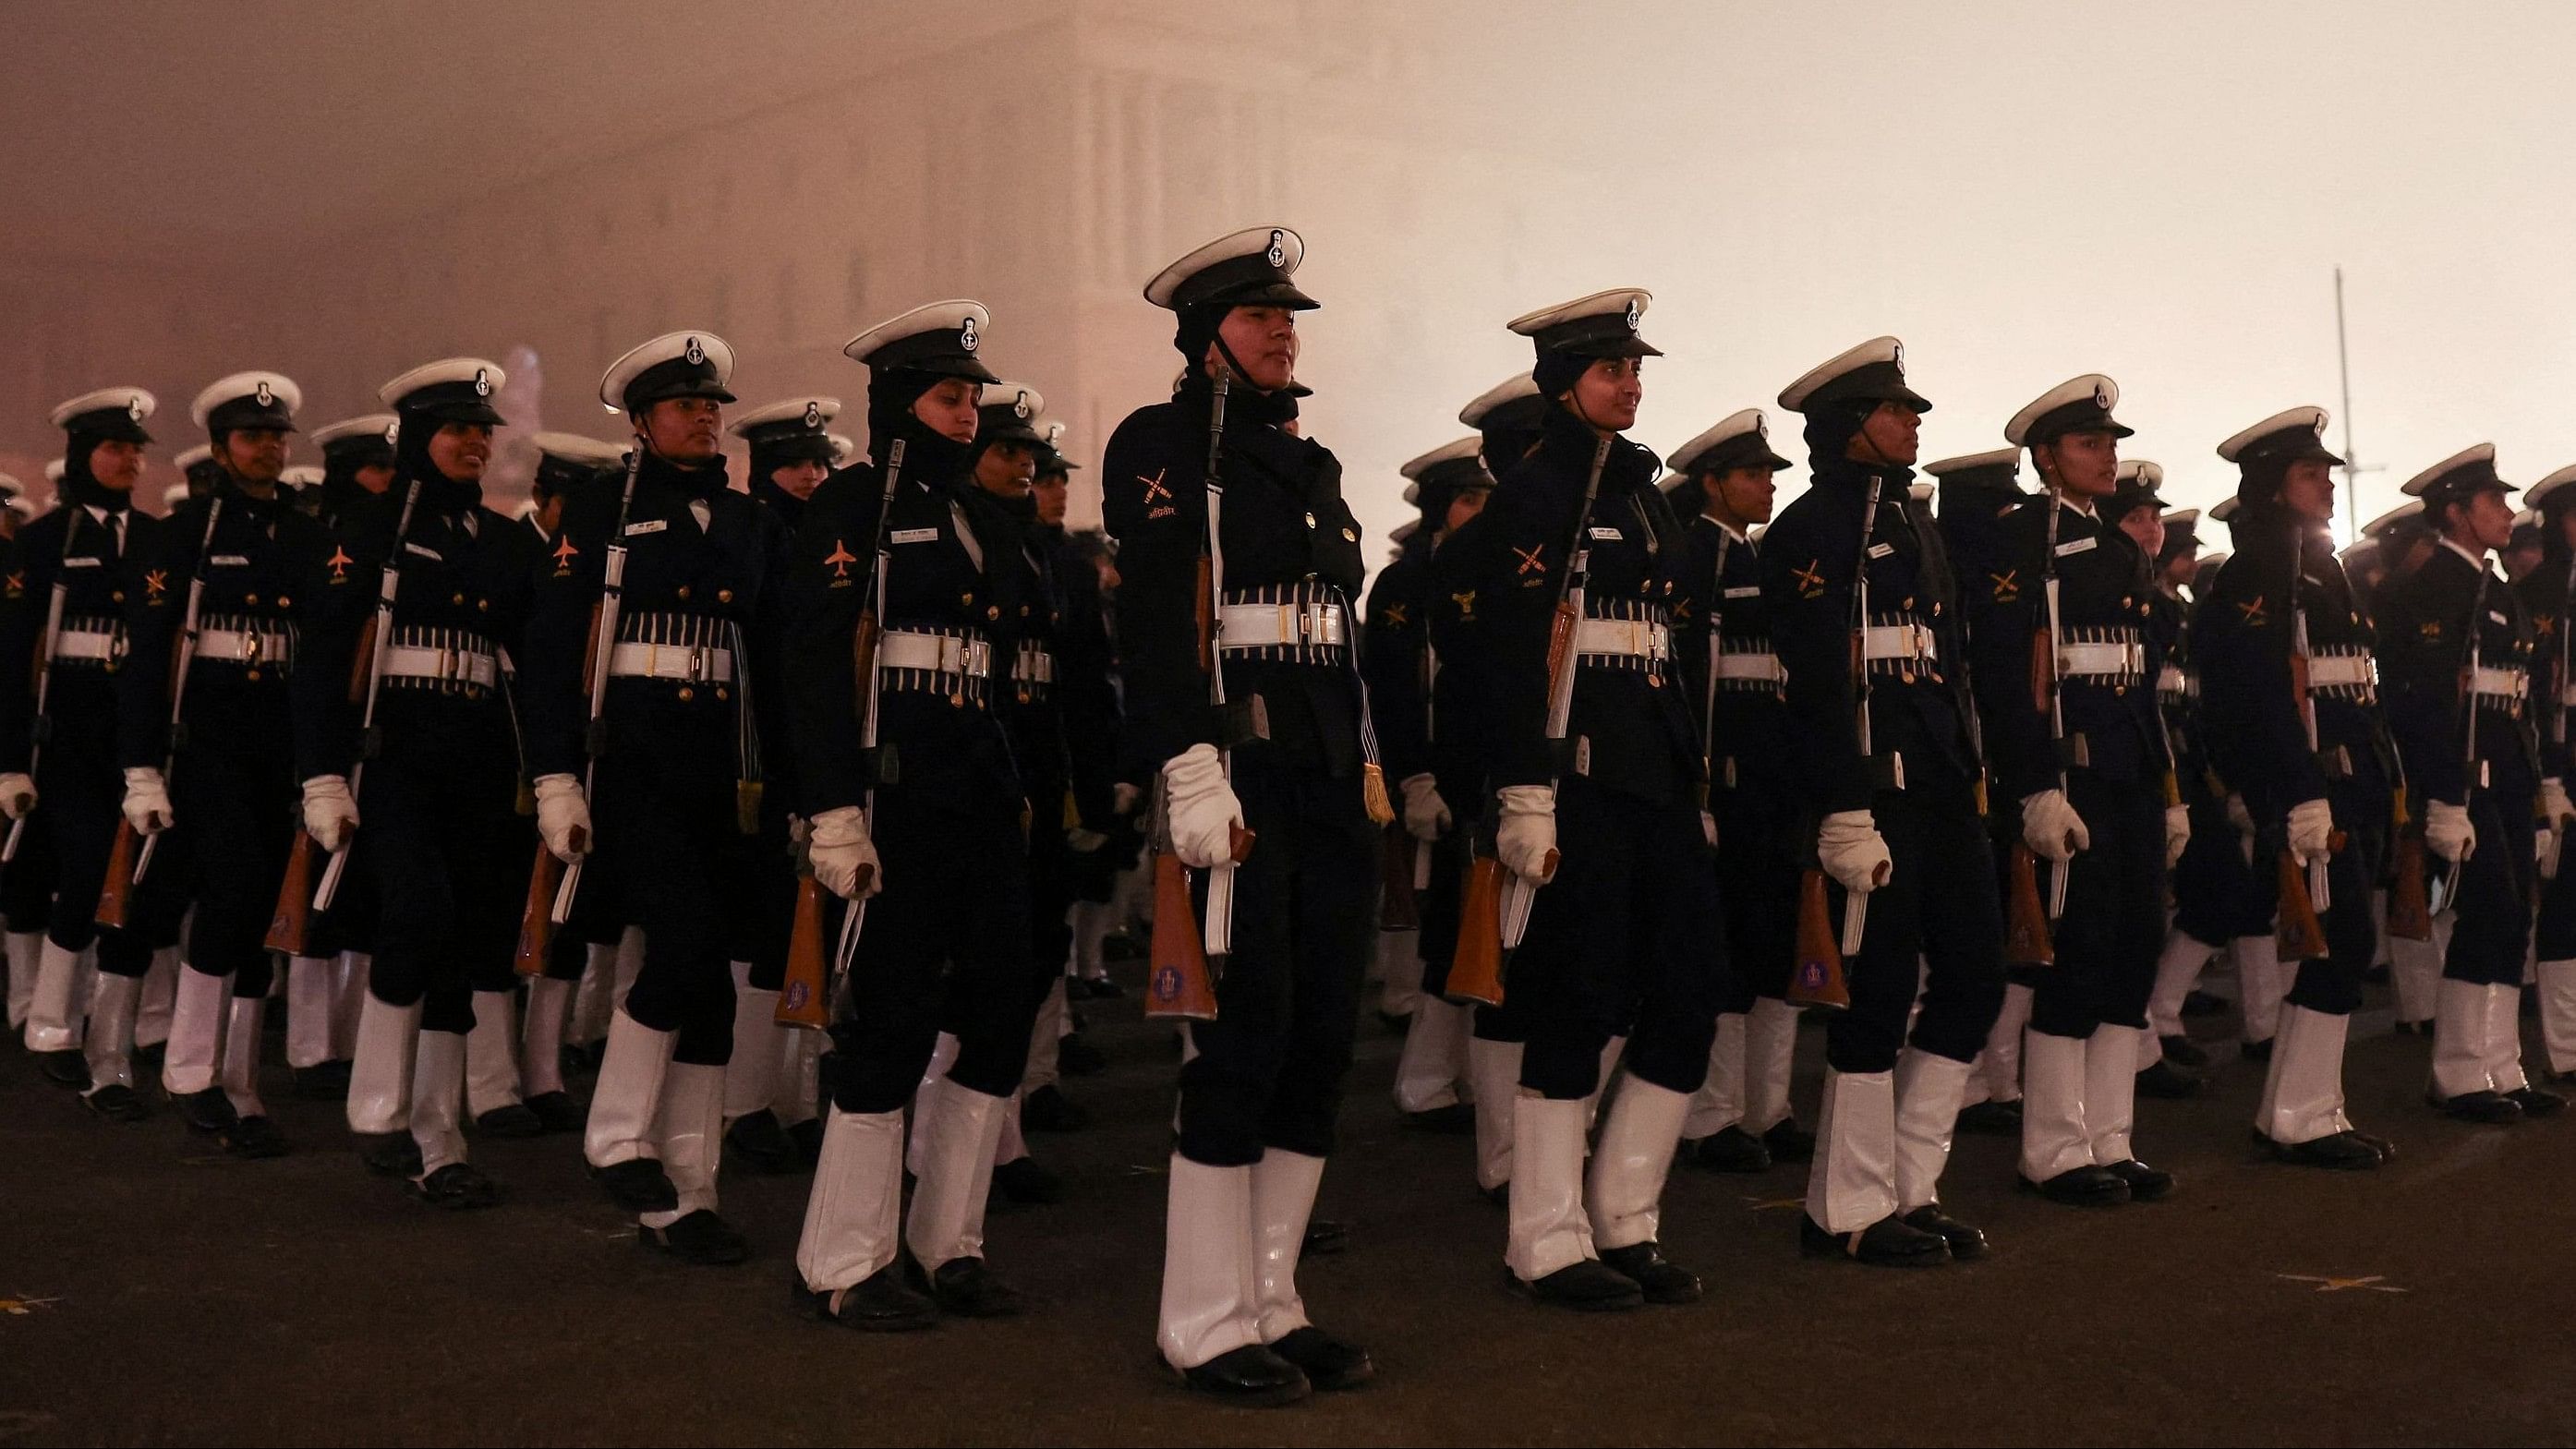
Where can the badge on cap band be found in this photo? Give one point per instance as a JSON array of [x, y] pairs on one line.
[[134, 407], [482, 382], [966, 337], [696, 353], [813, 414], [264, 395], [1761, 428], [1635, 314], [2102, 396], [1278, 253], [1020, 404]]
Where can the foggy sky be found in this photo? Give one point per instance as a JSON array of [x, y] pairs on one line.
[[2023, 192]]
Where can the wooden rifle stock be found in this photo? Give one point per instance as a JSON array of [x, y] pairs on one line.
[[1476, 965], [537, 916], [2410, 901], [290, 925], [2026, 940], [1178, 984], [1396, 910], [2297, 934], [1816, 978], [116, 893], [802, 996]]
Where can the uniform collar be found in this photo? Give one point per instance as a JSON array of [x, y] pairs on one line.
[[2476, 561], [1729, 529]]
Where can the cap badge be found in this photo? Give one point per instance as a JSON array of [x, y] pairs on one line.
[[2317, 420], [1761, 426], [134, 408], [1020, 405], [392, 429], [1055, 433], [264, 397], [1277, 256], [1636, 314], [482, 382], [813, 414], [1896, 355], [2102, 396], [966, 337]]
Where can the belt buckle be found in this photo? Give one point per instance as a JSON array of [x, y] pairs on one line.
[[250, 646], [697, 657]]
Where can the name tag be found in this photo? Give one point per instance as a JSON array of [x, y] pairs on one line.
[[1746, 591], [433, 555], [649, 525], [229, 561], [1881, 550], [1603, 531], [2076, 546], [916, 535], [84, 563]]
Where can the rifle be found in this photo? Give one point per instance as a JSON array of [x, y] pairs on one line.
[[130, 855], [1397, 854], [2296, 925], [1519, 892], [1179, 983], [290, 926], [813, 1009], [2410, 908], [803, 995], [2298, 931], [2557, 716], [2026, 917], [1817, 976], [44, 725], [566, 877], [2442, 885]]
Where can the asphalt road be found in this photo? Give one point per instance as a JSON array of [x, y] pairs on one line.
[[153, 1292]]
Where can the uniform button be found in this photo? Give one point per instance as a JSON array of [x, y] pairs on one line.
[[724, 596], [992, 611], [687, 693], [485, 605], [1310, 520], [967, 599], [723, 693], [681, 592], [118, 596], [460, 598], [1350, 535], [1909, 602], [1936, 608], [2126, 601], [284, 602], [250, 598], [1024, 611], [1024, 696], [956, 701], [252, 673]]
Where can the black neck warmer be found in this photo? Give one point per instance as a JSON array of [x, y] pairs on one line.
[[927, 455], [701, 482], [1244, 403], [439, 494], [79, 486]]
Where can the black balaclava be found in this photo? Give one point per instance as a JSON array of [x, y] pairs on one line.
[[1829, 431], [79, 485], [927, 454], [767, 457], [1243, 402], [439, 494], [2553, 530]]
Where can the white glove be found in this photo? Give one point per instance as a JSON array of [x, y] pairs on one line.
[[1525, 836], [1708, 828], [2448, 831], [1426, 815], [330, 811], [17, 796], [563, 817], [2177, 833], [147, 801], [2051, 828], [838, 847], [2311, 830], [1852, 851], [2239, 816], [2555, 807], [798, 831], [1123, 798], [1200, 807]]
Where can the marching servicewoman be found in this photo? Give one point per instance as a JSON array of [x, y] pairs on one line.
[[2549, 595], [1887, 762], [638, 690]]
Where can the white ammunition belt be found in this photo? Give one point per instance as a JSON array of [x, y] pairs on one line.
[[1627, 634], [676, 648], [1746, 665], [1298, 623], [2176, 685], [2344, 671], [252, 643], [2500, 687], [449, 660], [1899, 644], [953, 662], [1032, 673], [2116, 655], [89, 640]]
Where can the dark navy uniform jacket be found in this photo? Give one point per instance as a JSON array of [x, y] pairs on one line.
[[2425, 633], [1632, 727], [1721, 598], [1394, 659], [82, 696], [2545, 598]]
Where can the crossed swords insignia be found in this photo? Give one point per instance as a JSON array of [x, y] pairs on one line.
[[1811, 579], [1533, 560], [1154, 486]]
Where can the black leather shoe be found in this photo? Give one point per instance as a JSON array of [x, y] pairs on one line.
[[1588, 1286], [1966, 1243], [639, 1185], [2255, 1051], [2492, 1108], [207, 1111], [2168, 1083], [1994, 1119], [117, 1102], [1455, 1120], [1729, 1149], [2386, 1149], [1250, 1377], [969, 1288], [2337, 1151], [1050, 1110], [701, 1238], [253, 1137], [881, 1303], [2537, 1103], [514, 1120], [1025, 1180], [1327, 1362], [557, 1112], [458, 1187], [1075, 1056], [1888, 1243], [2202, 1003], [2146, 1184], [67, 1068], [2182, 1051], [1789, 1142], [321, 1082], [2086, 1186], [757, 1143], [389, 1154], [1658, 1278], [1324, 1238]]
